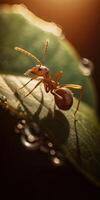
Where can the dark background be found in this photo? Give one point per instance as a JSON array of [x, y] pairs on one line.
[[31, 175], [24, 173]]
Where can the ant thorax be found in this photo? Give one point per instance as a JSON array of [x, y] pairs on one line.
[[49, 84]]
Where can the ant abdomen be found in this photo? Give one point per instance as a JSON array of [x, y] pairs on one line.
[[66, 101]]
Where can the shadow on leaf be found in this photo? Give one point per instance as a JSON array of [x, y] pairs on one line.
[[55, 124]]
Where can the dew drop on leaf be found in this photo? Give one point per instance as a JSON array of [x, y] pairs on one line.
[[21, 111], [20, 126], [86, 66], [3, 98], [28, 135], [56, 161], [3, 101], [50, 144], [29, 139], [52, 152], [31, 143]]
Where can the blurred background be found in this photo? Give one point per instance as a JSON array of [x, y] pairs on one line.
[[79, 21]]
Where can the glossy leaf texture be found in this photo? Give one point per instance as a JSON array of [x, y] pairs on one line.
[[77, 141]]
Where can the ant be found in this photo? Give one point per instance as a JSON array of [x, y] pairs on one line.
[[62, 94]]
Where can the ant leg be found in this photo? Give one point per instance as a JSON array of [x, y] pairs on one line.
[[55, 94], [25, 84], [58, 76], [28, 82], [33, 88], [58, 97], [79, 87]]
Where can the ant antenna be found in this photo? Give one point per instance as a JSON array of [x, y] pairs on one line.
[[28, 54], [45, 49]]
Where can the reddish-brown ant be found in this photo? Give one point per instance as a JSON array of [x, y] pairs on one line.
[[62, 94]]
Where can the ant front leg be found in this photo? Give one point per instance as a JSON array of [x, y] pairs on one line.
[[34, 88], [78, 87], [28, 82]]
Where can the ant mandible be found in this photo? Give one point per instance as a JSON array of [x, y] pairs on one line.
[[62, 94]]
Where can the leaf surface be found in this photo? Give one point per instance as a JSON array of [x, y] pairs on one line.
[[78, 142]]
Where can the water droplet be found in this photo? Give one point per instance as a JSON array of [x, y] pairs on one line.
[[56, 161], [30, 145], [23, 121], [30, 140], [52, 152], [3, 98], [50, 145], [20, 126], [20, 109], [3, 101], [86, 66]]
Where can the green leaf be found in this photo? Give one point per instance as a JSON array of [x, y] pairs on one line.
[[25, 30], [78, 142]]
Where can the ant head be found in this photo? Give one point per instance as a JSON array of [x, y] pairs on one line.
[[40, 70]]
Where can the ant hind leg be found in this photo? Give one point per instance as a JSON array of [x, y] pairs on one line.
[[79, 87]]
